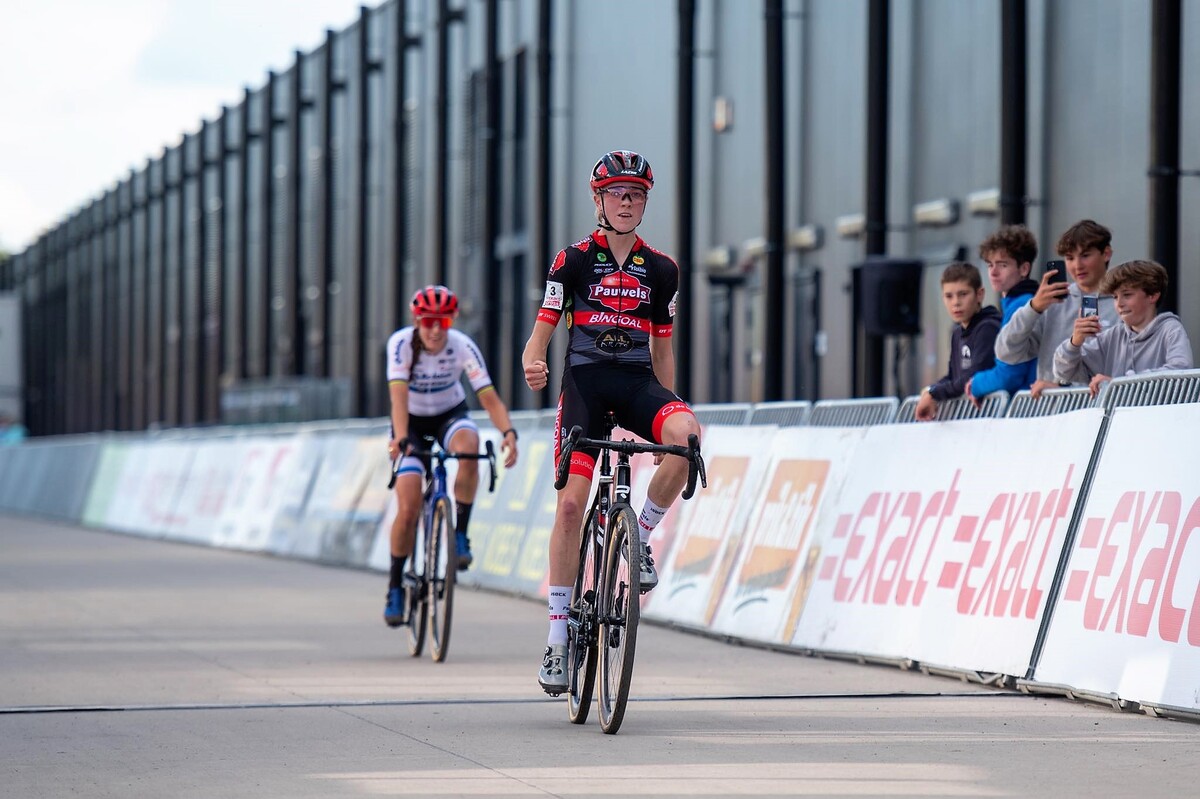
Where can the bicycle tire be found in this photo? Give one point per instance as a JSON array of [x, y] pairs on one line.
[[581, 627], [620, 611], [418, 606], [442, 566]]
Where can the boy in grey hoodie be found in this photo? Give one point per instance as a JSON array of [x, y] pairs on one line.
[[1037, 328], [1144, 341]]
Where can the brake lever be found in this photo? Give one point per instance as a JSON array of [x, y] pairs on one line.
[[491, 456]]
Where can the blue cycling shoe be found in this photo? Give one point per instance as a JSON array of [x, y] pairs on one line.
[[465, 558], [393, 612]]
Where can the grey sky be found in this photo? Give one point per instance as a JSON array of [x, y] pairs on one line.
[[90, 90]]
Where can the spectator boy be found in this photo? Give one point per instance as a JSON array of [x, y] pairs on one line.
[[1143, 341], [970, 342], [1036, 329], [1009, 254]]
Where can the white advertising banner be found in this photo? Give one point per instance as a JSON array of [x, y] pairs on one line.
[[206, 490], [1127, 620], [271, 483], [944, 540], [695, 561], [151, 477], [776, 563]]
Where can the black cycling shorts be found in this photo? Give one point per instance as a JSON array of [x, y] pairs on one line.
[[640, 403]]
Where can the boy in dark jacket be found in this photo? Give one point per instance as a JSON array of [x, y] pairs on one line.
[[972, 340], [1009, 254]]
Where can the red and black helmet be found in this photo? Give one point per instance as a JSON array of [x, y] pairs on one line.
[[622, 166], [434, 301]]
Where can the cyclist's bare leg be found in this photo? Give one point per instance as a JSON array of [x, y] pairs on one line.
[[466, 481], [671, 475], [408, 506], [564, 535]]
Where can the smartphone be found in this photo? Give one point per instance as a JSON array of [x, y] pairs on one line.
[[1089, 305], [1060, 271]]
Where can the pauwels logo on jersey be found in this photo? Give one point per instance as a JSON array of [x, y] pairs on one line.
[[619, 291]]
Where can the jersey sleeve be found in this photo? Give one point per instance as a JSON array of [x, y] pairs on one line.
[[666, 297], [471, 361], [554, 300], [399, 356]]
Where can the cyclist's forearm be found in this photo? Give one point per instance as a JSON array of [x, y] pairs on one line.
[[662, 359], [398, 392], [496, 410], [538, 344]]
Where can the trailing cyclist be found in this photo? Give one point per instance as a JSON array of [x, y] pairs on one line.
[[426, 363], [619, 296]]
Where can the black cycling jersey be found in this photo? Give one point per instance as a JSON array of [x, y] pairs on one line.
[[612, 309]]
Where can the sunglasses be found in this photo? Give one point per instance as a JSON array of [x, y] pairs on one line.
[[621, 192], [435, 321]]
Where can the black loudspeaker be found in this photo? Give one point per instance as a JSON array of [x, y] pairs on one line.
[[889, 296]]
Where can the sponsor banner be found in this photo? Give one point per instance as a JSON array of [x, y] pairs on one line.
[[695, 556], [269, 489], [206, 489], [943, 542], [501, 521], [1127, 620], [777, 561], [329, 529], [105, 484], [152, 475]]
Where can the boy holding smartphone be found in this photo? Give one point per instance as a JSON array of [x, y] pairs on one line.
[[1144, 340], [1009, 254], [1036, 330]]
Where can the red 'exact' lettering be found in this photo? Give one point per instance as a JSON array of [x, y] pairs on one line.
[[1127, 605]]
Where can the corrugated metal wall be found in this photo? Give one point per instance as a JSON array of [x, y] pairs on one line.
[[278, 241]]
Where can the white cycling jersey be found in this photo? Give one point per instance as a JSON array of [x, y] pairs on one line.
[[435, 383]]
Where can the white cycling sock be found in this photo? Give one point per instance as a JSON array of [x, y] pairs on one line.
[[560, 603], [651, 515]]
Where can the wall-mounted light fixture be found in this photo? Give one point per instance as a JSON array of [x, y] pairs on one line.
[[755, 247], [985, 202], [719, 258], [850, 226], [936, 213], [806, 238], [722, 115]]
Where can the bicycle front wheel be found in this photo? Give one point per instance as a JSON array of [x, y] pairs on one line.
[[416, 591], [443, 564], [581, 624], [619, 613]]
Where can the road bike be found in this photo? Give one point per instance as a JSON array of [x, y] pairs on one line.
[[602, 621], [429, 578]]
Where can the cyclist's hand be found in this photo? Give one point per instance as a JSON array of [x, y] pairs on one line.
[[397, 447], [537, 375], [509, 448], [658, 457]]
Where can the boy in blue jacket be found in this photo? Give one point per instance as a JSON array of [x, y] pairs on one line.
[[1009, 254], [972, 342]]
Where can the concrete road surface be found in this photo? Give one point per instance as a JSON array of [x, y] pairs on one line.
[[138, 668]]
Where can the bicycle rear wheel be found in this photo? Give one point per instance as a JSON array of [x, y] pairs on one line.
[[581, 624], [619, 613], [442, 565], [417, 593]]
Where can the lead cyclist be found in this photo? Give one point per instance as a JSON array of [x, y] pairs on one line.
[[618, 296]]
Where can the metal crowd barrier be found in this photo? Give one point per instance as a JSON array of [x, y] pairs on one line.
[[991, 406], [784, 414], [853, 412], [1156, 388], [1053, 401], [732, 413]]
